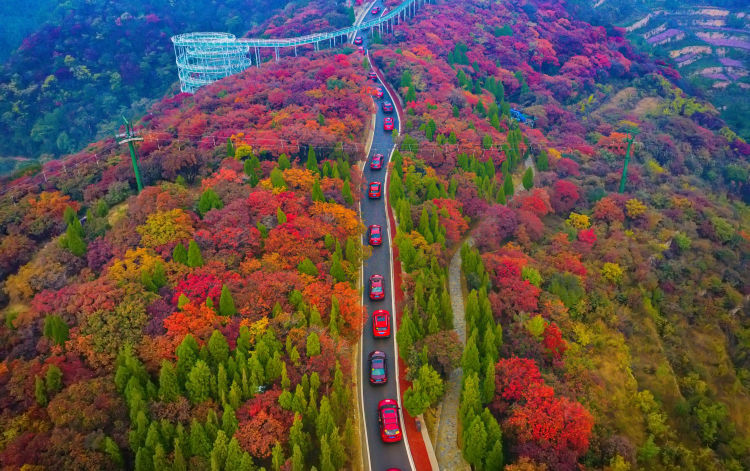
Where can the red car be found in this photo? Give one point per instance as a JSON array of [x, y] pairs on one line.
[[373, 76], [377, 288], [377, 162], [381, 323], [378, 368], [361, 50], [388, 124], [375, 190], [358, 41], [379, 92], [374, 234], [375, 10], [387, 107], [390, 427]]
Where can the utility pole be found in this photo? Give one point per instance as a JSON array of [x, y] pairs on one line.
[[130, 137], [629, 139]]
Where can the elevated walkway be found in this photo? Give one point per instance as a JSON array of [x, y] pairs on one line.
[[203, 58]]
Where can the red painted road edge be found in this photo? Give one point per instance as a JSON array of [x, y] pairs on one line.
[[416, 443]]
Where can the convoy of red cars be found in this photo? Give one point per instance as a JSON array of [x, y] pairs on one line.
[[389, 422]]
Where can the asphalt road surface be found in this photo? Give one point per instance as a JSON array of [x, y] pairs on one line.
[[382, 456]]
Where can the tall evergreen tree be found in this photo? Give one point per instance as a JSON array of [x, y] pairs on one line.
[[179, 254], [528, 178], [73, 238], [198, 382], [508, 185], [230, 147], [194, 257], [346, 192], [56, 329], [53, 379], [312, 162], [169, 388], [226, 302], [40, 392]]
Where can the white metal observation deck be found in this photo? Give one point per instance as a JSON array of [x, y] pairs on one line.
[[203, 58]]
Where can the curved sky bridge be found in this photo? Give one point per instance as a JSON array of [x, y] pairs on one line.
[[203, 58]]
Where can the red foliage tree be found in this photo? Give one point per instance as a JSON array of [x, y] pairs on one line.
[[606, 209], [564, 196], [553, 341]]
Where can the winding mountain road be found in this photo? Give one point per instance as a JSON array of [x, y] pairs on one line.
[[377, 455]]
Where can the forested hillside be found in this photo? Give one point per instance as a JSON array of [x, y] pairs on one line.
[[72, 79], [209, 322], [602, 328], [707, 42]]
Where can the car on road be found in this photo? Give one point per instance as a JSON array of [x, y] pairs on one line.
[[388, 124], [387, 107], [375, 10], [375, 190], [377, 162], [378, 368], [377, 287], [358, 41], [373, 76], [381, 324], [361, 50], [375, 235], [379, 92], [388, 420]]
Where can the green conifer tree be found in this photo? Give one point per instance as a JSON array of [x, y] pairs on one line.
[[73, 238], [230, 147], [198, 382], [313, 345], [508, 185], [284, 163], [346, 192], [226, 302], [179, 254], [56, 329], [169, 388], [40, 392], [317, 192], [53, 379], [528, 178], [280, 216], [312, 162], [194, 257], [209, 200]]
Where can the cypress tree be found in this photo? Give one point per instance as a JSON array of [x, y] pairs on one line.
[[312, 162], [346, 192], [219, 451], [229, 420], [73, 238], [194, 257], [277, 457], [199, 445], [284, 163], [315, 317], [508, 186], [53, 379], [317, 192], [230, 148], [218, 348], [280, 216], [475, 442], [234, 456], [179, 254], [528, 178], [209, 200], [226, 302], [143, 460], [470, 361], [313, 345], [198, 382], [277, 178], [40, 392], [337, 271], [56, 329], [169, 388]]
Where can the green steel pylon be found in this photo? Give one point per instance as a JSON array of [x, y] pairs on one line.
[[629, 140], [130, 137]]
